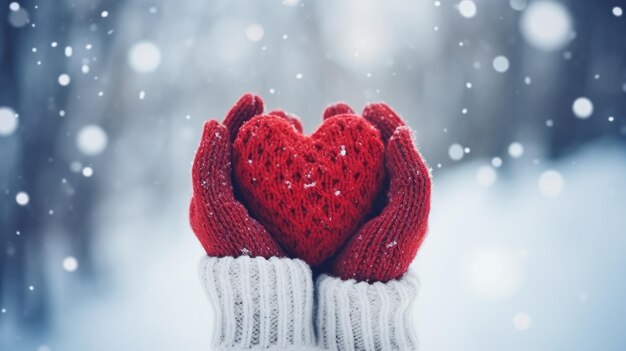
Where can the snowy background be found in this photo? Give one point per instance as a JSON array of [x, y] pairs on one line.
[[519, 107]]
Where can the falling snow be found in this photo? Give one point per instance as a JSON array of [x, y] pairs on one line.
[[95, 125], [343, 151]]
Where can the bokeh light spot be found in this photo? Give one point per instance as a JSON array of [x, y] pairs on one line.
[[486, 176], [91, 140], [582, 107], [22, 198], [501, 64], [64, 79], [455, 151], [8, 121], [493, 272], [516, 149], [70, 264], [467, 8], [144, 57], [518, 5], [254, 32], [521, 321], [546, 25], [551, 184]]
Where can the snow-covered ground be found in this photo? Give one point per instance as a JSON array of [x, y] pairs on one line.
[[505, 267]]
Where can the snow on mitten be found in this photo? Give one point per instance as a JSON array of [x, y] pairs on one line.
[[384, 247], [221, 223]]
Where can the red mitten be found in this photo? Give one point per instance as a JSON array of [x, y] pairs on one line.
[[220, 222], [385, 246]]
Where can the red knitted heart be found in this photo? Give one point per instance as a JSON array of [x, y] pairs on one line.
[[310, 192]]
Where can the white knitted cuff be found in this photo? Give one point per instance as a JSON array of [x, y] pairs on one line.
[[355, 315], [260, 303]]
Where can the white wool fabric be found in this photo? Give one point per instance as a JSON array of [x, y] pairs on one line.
[[355, 315], [260, 303]]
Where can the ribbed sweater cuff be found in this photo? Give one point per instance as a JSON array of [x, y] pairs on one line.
[[260, 303], [355, 315]]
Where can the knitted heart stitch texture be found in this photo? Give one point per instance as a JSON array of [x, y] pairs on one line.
[[312, 192]]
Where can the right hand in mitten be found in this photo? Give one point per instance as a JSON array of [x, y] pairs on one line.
[[219, 220]]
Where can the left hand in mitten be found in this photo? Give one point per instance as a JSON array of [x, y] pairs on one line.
[[365, 303], [384, 247]]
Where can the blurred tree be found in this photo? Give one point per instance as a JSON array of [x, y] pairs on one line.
[[32, 160]]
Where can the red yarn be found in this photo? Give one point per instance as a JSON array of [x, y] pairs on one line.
[[337, 109], [295, 122], [220, 222], [384, 247], [312, 192]]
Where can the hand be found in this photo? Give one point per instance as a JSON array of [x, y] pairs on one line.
[[221, 223], [384, 247]]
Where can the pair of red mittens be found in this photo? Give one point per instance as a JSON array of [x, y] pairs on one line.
[[311, 195]]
